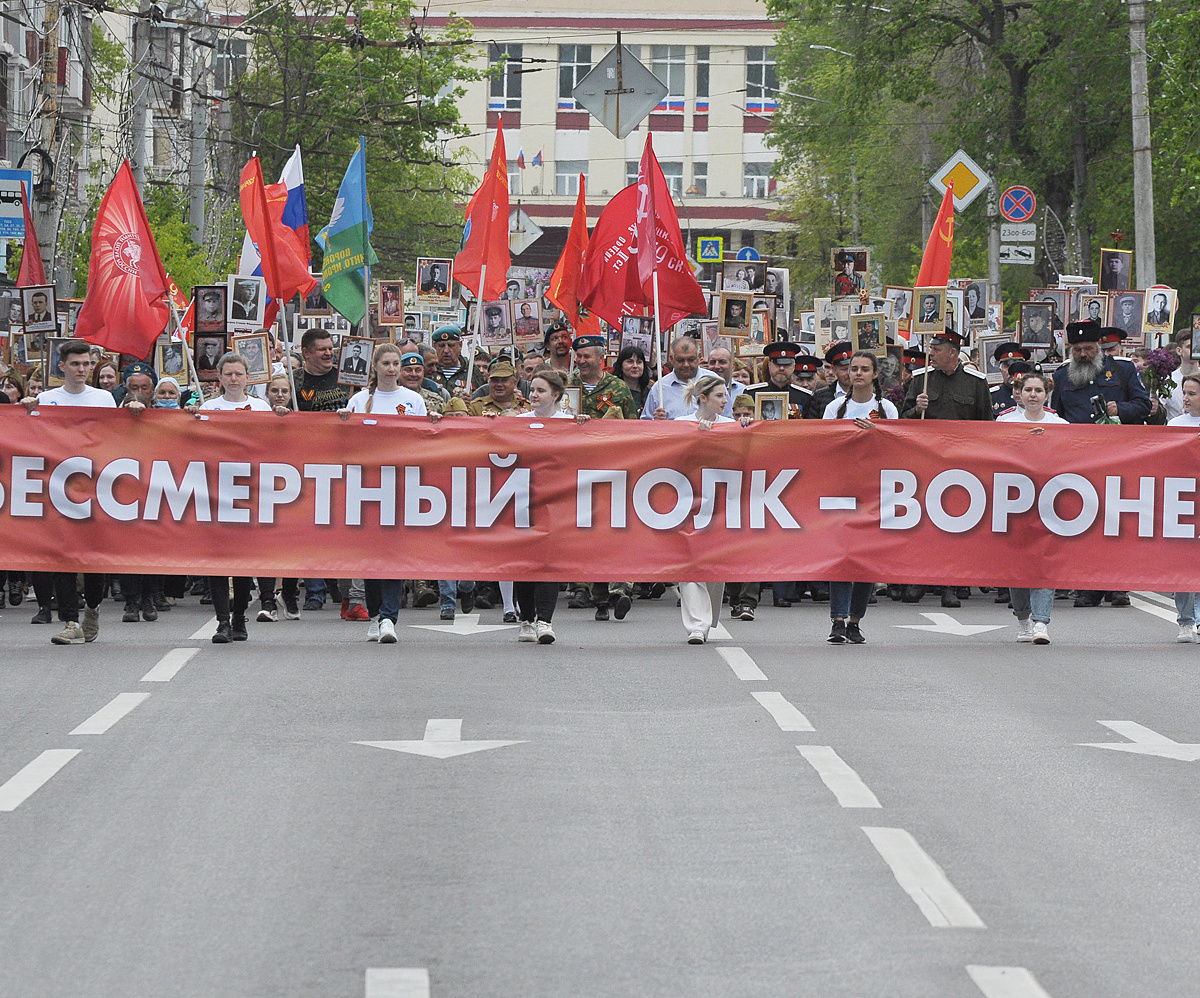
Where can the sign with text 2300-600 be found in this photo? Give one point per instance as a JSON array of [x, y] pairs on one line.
[[12, 218]]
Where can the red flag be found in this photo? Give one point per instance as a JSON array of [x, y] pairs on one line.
[[563, 289], [611, 287], [647, 229], [485, 235], [125, 308], [284, 267], [32, 272], [935, 264], [188, 322]]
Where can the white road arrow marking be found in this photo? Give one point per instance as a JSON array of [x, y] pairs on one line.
[[943, 623], [443, 740], [465, 623], [1006, 982], [1143, 741]]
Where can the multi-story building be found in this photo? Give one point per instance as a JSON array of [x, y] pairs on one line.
[[717, 61]]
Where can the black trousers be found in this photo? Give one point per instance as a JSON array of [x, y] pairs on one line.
[[535, 599], [68, 598], [218, 588], [266, 589], [135, 587]]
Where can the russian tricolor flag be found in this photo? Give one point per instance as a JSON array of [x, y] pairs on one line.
[[289, 193], [537, 158], [521, 158]]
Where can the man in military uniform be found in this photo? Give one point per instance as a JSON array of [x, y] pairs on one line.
[[1089, 382], [502, 399], [1004, 355], [782, 358], [557, 346], [412, 377], [945, 390], [602, 396], [837, 357], [451, 370]]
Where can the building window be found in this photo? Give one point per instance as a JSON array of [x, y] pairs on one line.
[[514, 177], [566, 175], [4, 108], [762, 80], [505, 92], [230, 62], [673, 172], [756, 180], [574, 63], [668, 63], [702, 64], [631, 169], [700, 180]]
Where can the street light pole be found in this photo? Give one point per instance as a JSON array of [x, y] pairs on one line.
[[1143, 176]]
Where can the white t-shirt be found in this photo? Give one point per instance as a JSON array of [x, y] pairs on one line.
[[224, 405], [694, 418], [97, 398], [557, 414], [399, 402], [1183, 419], [859, 410], [1017, 415]]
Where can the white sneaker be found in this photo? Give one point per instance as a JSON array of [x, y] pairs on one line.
[[527, 632], [71, 634], [1041, 633], [545, 633], [91, 624], [387, 632], [1187, 634], [696, 638], [373, 630], [266, 616], [1025, 631]]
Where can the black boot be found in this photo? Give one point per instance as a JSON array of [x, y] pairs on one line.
[[224, 634], [949, 600], [148, 610], [131, 615], [237, 628]]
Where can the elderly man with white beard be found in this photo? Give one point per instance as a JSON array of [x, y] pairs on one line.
[[1089, 383]]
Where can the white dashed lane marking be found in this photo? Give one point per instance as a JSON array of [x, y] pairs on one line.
[[846, 785], [741, 663], [1006, 982], [169, 665], [206, 632], [923, 880], [786, 716], [397, 982], [33, 777], [111, 713]]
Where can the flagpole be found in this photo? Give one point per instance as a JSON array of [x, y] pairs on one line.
[[478, 316], [362, 145], [289, 345], [194, 382], [658, 337]]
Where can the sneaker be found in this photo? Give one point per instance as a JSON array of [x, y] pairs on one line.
[[16, 594], [510, 617], [91, 624], [427, 597], [735, 611], [1025, 631], [291, 608], [469, 602], [42, 616], [602, 613], [387, 632], [149, 610], [223, 633], [1186, 635], [621, 607], [357, 612], [71, 634], [528, 631], [267, 615], [545, 633], [696, 638], [132, 614], [345, 609], [447, 613], [1041, 634], [854, 635], [313, 603], [237, 627], [837, 633], [373, 631], [746, 613], [164, 604]]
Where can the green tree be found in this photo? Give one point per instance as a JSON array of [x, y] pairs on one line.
[[319, 79]]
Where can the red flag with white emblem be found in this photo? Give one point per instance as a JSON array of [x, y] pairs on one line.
[[125, 308]]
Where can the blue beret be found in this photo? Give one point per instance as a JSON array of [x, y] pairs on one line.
[[138, 367], [443, 333], [587, 340], [412, 360]]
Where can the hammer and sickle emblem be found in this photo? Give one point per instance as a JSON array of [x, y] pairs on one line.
[[947, 236]]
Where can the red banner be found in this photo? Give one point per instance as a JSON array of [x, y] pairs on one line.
[[1092, 507]]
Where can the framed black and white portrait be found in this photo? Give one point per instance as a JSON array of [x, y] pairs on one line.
[[247, 303]]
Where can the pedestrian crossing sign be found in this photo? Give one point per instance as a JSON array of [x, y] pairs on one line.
[[710, 249]]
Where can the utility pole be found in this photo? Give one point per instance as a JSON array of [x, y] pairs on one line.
[[1143, 176], [993, 214], [198, 145], [141, 93], [49, 227]]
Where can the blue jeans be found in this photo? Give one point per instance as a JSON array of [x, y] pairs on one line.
[[1185, 608], [849, 599], [1034, 603], [446, 591], [382, 597]]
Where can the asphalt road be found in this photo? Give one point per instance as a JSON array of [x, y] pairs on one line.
[[764, 815]]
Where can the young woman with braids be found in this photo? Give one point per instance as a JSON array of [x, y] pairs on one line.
[[863, 403]]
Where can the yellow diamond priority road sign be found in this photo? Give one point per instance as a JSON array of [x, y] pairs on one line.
[[967, 176]]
